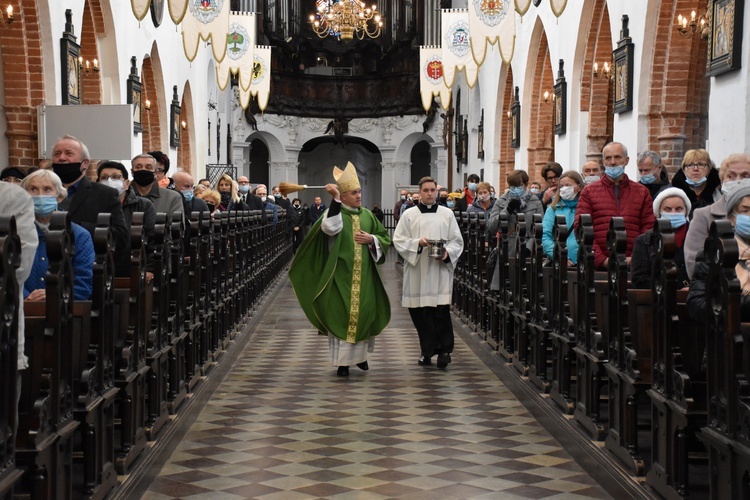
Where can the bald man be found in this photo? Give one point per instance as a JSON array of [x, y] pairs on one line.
[[184, 183], [591, 172]]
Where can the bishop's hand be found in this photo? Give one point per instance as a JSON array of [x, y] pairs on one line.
[[333, 190]]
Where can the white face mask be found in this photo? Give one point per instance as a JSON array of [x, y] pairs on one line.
[[117, 184], [568, 193], [729, 187], [591, 178]]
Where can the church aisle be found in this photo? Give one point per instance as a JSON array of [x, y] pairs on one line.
[[282, 425]]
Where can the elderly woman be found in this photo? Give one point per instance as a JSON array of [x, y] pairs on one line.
[[734, 173], [698, 178], [738, 213], [483, 203], [672, 204], [564, 203], [47, 191], [230, 200], [212, 199]]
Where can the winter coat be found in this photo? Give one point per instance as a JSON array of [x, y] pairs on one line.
[[568, 209], [659, 184], [634, 204], [640, 265], [710, 194], [700, 226], [477, 208]]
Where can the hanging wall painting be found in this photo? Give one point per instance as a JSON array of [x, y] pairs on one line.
[[725, 36], [623, 69]]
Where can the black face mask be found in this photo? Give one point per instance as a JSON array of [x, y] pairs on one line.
[[211, 207], [67, 172], [296, 206], [444, 200], [143, 177], [226, 198]]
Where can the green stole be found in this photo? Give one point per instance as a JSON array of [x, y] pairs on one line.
[[340, 289]]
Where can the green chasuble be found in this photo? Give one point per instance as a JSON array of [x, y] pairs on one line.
[[337, 281]]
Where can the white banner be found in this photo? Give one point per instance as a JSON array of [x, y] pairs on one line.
[[522, 6], [209, 20], [140, 8], [456, 47], [490, 22], [177, 10], [240, 50], [260, 88], [431, 81], [244, 97], [558, 6]]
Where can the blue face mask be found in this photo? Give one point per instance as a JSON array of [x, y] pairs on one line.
[[472, 186], [677, 219], [243, 189], [698, 183], [516, 191], [450, 203], [277, 196], [648, 179], [44, 205], [614, 173], [742, 226], [188, 194]]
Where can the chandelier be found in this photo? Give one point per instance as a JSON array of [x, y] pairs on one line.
[[345, 18]]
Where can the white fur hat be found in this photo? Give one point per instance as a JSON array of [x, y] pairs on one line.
[[668, 193]]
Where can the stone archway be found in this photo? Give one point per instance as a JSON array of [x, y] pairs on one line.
[[184, 152], [92, 28], [155, 126], [541, 143], [507, 152]]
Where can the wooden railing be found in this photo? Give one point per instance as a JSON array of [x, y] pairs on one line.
[[105, 374], [624, 362]]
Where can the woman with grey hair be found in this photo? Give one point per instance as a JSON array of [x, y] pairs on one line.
[[46, 191]]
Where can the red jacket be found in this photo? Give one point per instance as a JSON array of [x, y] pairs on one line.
[[635, 206]]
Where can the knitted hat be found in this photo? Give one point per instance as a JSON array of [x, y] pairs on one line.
[[346, 179], [734, 199], [668, 193], [12, 172]]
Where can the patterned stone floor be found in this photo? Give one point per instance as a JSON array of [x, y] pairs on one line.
[[282, 425]]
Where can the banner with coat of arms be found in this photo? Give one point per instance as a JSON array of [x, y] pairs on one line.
[[558, 6], [431, 81], [240, 50], [457, 55], [490, 22], [522, 6], [140, 8], [206, 20], [260, 87], [178, 9]]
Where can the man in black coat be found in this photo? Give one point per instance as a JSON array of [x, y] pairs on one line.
[[86, 200]]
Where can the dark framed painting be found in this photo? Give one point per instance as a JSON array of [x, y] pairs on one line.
[[175, 125], [623, 70], [480, 137], [135, 96], [725, 36], [561, 102], [515, 122], [70, 51]]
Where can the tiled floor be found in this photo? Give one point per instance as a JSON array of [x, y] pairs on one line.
[[282, 425]]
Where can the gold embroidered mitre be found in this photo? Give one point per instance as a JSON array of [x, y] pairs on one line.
[[346, 179]]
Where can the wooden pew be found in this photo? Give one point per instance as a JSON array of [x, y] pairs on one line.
[[726, 431], [591, 335], [176, 334], [563, 333], [44, 444], [10, 259], [538, 324], [505, 321], [133, 308], [519, 274], [629, 365]]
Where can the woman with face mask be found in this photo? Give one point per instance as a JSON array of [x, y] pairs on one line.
[[564, 203], [738, 213], [698, 178], [483, 203], [230, 200], [47, 191], [674, 205]]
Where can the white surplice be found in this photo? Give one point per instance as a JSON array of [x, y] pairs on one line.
[[428, 282]]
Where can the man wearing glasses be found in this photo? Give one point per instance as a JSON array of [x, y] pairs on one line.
[[615, 195], [551, 174]]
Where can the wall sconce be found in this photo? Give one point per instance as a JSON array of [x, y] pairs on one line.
[[549, 96], [696, 24], [147, 105], [183, 124], [7, 18], [605, 73], [509, 114], [88, 68]]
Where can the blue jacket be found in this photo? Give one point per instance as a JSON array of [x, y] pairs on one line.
[[83, 265], [568, 209]]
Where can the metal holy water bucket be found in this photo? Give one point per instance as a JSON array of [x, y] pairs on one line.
[[436, 248]]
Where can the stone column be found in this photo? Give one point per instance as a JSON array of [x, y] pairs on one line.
[[282, 171], [395, 174], [240, 155]]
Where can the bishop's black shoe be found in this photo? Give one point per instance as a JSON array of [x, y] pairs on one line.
[[363, 365], [343, 371], [424, 361], [443, 360]]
